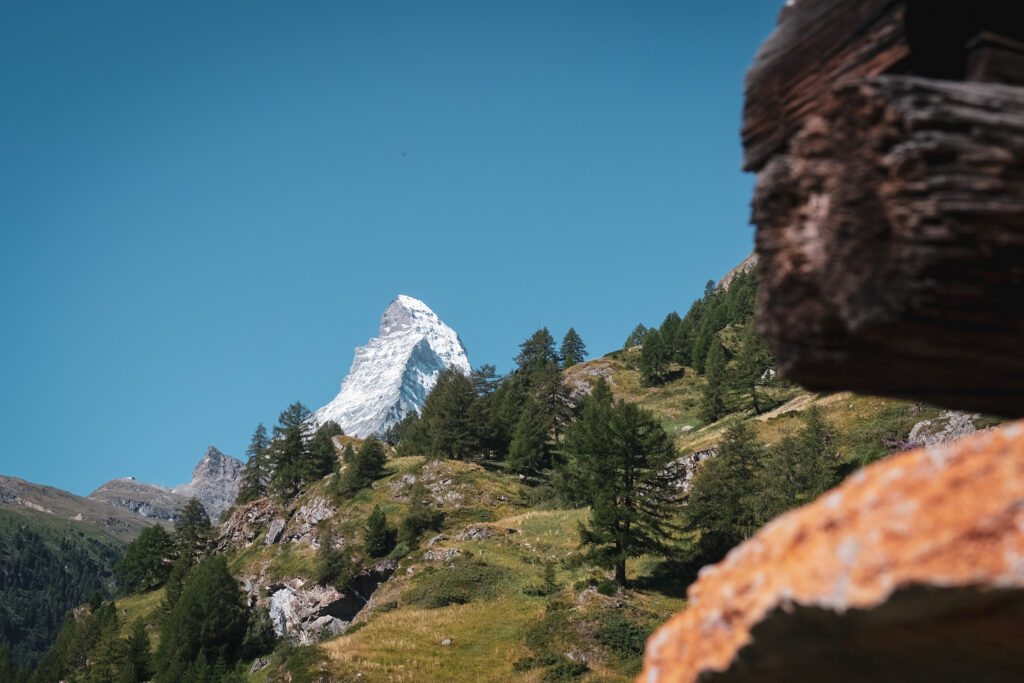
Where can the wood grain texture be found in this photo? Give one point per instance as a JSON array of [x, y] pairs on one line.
[[891, 239]]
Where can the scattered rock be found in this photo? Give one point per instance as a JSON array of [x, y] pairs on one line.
[[441, 554], [307, 517], [259, 664], [436, 539], [475, 533], [446, 642], [949, 426], [906, 571], [274, 531]]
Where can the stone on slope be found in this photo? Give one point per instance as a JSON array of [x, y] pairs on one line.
[[395, 371], [913, 569]]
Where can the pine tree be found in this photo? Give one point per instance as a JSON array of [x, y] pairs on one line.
[[145, 564], [256, 473], [752, 360], [799, 468], [654, 357], [8, 671], [210, 618], [713, 395], [288, 451], [573, 350], [622, 453], [421, 515], [322, 459], [335, 566], [530, 451], [367, 466], [380, 538], [138, 660], [636, 337], [721, 502], [537, 351], [348, 454], [192, 531], [448, 416]]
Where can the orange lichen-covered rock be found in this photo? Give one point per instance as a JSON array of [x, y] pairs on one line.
[[912, 569]]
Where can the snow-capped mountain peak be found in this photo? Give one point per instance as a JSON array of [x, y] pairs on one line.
[[395, 371]]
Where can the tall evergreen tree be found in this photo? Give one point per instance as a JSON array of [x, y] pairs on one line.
[[146, 562], [530, 450], [721, 503], [636, 337], [799, 468], [421, 515], [192, 531], [323, 458], [210, 618], [366, 466], [622, 453], [256, 473], [380, 537], [537, 351], [654, 358], [713, 405], [752, 360], [288, 451], [449, 417], [573, 349]]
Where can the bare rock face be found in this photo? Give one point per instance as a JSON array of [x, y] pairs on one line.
[[243, 526], [214, 482], [910, 570], [308, 611]]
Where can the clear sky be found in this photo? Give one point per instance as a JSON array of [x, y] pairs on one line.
[[205, 206]]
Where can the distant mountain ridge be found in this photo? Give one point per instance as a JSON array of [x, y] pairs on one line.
[[392, 375], [214, 482]]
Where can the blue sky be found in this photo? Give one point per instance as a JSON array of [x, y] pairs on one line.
[[207, 206]]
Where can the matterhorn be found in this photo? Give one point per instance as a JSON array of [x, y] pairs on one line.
[[392, 375]]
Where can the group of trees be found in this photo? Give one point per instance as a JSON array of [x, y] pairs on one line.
[[516, 418], [46, 568], [295, 456], [206, 624], [747, 484]]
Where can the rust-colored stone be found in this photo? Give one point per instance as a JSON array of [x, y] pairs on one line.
[[938, 532]]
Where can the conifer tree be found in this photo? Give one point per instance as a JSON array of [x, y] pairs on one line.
[[288, 451], [722, 499], [256, 473], [366, 466], [530, 451], [322, 459], [752, 360], [8, 671], [448, 416], [636, 337], [799, 468], [573, 350], [713, 395], [622, 453], [421, 515], [145, 564], [536, 352], [209, 619], [348, 454], [192, 531], [380, 537], [654, 357], [138, 659]]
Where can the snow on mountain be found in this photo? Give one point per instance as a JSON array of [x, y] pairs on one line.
[[395, 371]]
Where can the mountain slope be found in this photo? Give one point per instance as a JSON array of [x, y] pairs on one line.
[[395, 371]]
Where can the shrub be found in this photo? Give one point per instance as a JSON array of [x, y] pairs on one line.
[[456, 585], [565, 670], [607, 587]]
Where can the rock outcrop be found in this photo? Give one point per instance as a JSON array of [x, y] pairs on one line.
[[910, 570], [215, 481], [395, 371], [949, 426], [307, 612]]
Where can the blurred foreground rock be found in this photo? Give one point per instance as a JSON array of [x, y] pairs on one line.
[[912, 570]]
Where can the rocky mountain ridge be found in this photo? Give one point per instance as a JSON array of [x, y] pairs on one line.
[[395, 371], [214, 482]]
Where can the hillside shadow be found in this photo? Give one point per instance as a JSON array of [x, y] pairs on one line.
[[671, 578]]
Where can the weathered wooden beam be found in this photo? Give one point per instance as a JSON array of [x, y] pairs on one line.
[[816, 43], [891, 242], [994, 58]]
